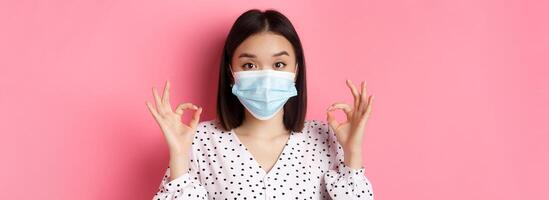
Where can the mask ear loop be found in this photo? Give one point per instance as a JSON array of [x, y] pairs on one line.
[[295, 71], [232, 74]]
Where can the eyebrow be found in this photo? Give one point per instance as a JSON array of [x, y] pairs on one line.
[[249, 55]]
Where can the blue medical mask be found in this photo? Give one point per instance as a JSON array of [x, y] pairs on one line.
[[264, 92]]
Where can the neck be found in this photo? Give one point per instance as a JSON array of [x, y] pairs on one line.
[[262, 129]]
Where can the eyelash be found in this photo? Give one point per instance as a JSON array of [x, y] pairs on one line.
[[282, 63], [245, 64]]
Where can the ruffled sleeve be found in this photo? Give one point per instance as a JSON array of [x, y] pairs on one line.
[[186, 186], [343, 182]]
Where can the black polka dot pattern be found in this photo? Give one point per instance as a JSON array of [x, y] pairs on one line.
[[310, 167]]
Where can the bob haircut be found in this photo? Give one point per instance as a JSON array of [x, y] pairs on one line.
[[229, 109]]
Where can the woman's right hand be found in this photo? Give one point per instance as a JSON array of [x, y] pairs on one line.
[[179, 136]]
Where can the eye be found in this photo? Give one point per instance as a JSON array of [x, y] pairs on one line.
[[248, 66], [279, 65]]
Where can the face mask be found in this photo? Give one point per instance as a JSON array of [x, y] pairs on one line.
[[264, 92]]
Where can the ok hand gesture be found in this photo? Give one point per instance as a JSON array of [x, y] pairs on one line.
[[351, 132], [179, 136]]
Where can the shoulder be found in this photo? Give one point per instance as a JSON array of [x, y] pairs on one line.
[[208, 125], [207, 137], [322, 141], [213, 125], [317, 129], [208, 128], [319, 133]]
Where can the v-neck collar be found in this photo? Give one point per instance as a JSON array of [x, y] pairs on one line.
[[279, 159]]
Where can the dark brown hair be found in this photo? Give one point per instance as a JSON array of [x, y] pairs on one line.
[[229, 109]]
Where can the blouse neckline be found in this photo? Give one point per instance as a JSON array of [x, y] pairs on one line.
[[278, 161]]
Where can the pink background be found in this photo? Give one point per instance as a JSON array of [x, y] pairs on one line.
[[461, 93]]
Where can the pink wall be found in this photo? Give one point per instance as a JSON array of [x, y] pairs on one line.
[[461, 92]]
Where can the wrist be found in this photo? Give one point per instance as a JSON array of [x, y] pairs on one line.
[[179, 154], [180, 149], [179, 163], [353, 150], [353, 158]]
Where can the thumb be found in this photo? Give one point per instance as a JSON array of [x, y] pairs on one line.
[[196, 118], [331, 120]]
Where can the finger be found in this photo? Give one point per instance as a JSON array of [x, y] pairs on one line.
[[355, 93], [331, 120], [166, 95], [153, 111], [157, 101], [181, 107], [347, 109], [368, 109], [362, 106], [196, 118]]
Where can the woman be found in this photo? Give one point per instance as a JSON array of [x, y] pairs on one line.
[[261, 147]]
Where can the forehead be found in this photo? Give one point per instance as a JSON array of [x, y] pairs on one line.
[[264, 44]]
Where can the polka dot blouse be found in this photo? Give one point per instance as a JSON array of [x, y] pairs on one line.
[[309, 167]]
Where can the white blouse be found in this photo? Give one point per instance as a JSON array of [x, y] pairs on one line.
[[309, 167]]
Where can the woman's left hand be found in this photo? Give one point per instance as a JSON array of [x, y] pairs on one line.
[[351, 132]]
